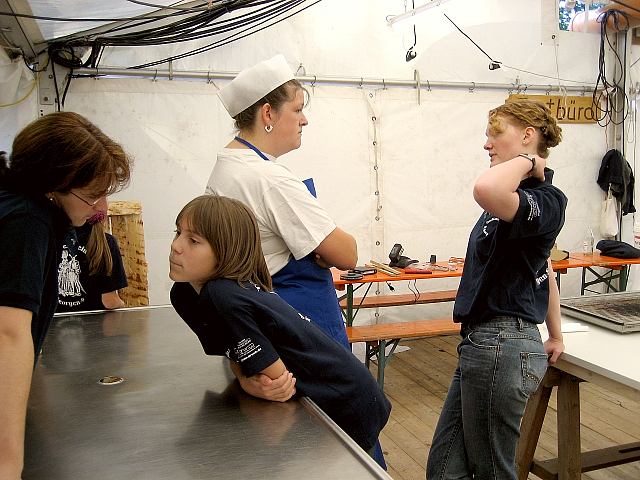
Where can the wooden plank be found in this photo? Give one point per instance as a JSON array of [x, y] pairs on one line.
[[597, 459], [531, 425], [375, 301], [569, 428], [404, 466], [387, 331]]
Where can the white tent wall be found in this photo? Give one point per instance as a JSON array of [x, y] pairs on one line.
[[428, 154], [18, 103]]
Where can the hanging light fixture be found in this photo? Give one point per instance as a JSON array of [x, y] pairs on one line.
[[416, 11]]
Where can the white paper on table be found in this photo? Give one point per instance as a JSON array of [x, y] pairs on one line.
[[569, 327], [566, 327]]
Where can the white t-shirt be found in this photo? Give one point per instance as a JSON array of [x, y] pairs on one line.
[[290, 219]]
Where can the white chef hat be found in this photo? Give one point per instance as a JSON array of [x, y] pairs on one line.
[[253, 83]]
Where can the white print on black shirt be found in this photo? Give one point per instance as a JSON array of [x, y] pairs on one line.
[[246, 349], [534, 208], [69, 276], [543, 277], [486, 223]]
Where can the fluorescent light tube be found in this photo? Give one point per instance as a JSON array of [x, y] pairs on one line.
[[415, 11]]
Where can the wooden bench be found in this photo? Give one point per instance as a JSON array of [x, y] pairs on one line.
[[376, 301], [378, 336]]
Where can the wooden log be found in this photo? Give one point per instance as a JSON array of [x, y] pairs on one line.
[[127, 227]]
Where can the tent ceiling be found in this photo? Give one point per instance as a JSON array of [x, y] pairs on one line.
[[65, 25], [28, 35], [84, 9], [18, 34]]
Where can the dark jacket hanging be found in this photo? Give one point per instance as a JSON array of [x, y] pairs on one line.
[[616, 173]]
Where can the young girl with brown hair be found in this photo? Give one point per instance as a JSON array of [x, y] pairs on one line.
[[223, 291]]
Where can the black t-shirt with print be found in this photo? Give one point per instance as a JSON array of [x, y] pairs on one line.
[[254, 328], [31, 231], [77, 290], [505, 269]]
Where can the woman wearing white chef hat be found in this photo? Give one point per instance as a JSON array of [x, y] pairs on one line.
[[299, 239]]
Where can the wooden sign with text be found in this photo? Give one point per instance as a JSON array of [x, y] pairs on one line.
[[569, 109]]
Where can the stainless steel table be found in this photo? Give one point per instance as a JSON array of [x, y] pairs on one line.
[[178, 414]]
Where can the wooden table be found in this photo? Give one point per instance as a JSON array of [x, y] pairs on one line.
[[599, 356], [588, 261], [621, 265], [380, 277], [576, 260]]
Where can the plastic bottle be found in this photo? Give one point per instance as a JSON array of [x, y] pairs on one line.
[[587, 244]]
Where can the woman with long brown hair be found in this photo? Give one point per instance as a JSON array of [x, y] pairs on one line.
[[60, 167]]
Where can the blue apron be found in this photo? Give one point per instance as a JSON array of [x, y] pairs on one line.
[[307, 287]]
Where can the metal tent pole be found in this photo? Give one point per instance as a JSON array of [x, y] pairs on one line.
[[423, 84]]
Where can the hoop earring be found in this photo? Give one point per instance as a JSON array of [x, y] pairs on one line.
[[268, 128]]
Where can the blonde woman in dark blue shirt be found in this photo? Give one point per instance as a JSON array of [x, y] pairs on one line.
[[507, 289]]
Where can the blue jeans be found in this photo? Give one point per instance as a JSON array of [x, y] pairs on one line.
[[500, 364]]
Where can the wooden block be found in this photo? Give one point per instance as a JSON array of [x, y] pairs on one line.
[[127, 227], [120, 207]]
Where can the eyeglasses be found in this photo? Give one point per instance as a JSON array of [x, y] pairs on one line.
[[91, 204]]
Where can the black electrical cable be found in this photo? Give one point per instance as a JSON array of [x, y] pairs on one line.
[[55, 85], [410, 55], [222, 42], [416, 292], [66, 88], [176, 31], [171, 7], [35, 70], [228, 6], [248, 20], [102, 20], [627, 6], [497, 64], [126, 25], [191, 32], [611, 87], [494, 63], [69, 61], [199, 24]]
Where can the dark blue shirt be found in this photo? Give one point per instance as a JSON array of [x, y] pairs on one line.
[[505, 269], [31, 231], [254, 328]]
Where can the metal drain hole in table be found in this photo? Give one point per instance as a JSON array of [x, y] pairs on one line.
[[110, 380]]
